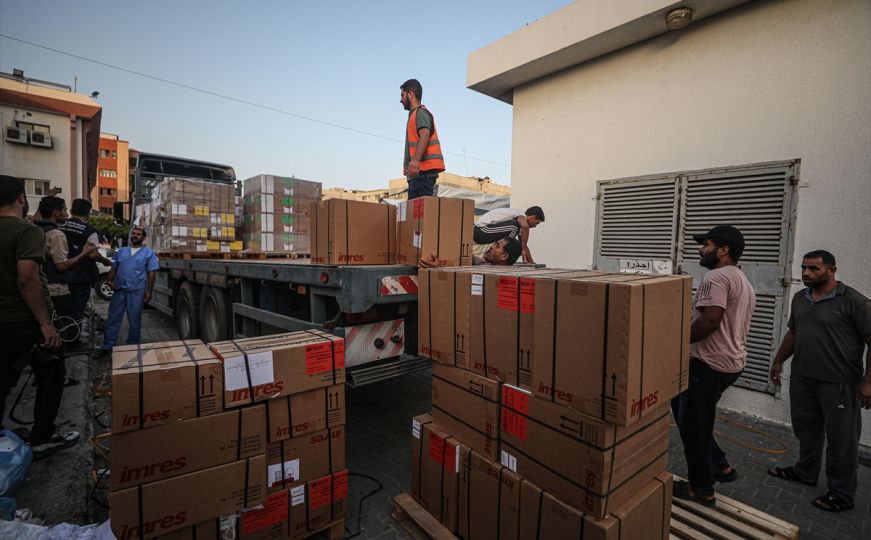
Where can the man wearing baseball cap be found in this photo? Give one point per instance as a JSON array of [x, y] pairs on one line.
[[722, 309]]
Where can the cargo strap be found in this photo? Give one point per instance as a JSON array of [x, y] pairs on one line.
[[247, 370], [141, 388], [197, 384]]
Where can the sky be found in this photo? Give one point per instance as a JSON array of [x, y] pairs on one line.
[[338, 62]]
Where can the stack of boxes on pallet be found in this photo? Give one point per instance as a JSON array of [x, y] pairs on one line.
[[245, 435], [361, 233], [551, 393], [192, 216], [275, 214]]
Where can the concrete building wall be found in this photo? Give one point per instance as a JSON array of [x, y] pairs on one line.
[[50, 164], [767, 81]]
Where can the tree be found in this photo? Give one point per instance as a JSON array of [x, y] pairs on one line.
[[108, 227]]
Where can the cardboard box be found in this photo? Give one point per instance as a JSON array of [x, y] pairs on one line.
[[191, 215], [435, 466], [261, 368], [160, 383], [160, 452], [290, 513], [491, 323], [466, 405], [353, 232], [305, 458], [307, 412], [488, 498], [596, 465], [438, 226], [180, 502], [497, 503], [612, 346]]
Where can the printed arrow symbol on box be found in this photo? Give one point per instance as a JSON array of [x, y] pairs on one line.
[[613, 384], [211, 384], [202, 384]]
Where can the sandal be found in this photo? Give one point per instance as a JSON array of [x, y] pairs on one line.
[[789, 474], [833, 502], [724, 477], [682, 490], [69, 381]]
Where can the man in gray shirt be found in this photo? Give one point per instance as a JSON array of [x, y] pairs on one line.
[[829, 328]]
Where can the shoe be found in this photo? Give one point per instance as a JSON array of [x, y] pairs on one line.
[[56, 444], [102, 353], [724, 477]]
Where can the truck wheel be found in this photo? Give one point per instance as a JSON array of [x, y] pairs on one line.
[[214, 315], [103, 289], [187, 311]]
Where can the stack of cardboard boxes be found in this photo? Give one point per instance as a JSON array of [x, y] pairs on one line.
[[275, 213], [360, 233], [193, 216], [550, 401], [245, 434]]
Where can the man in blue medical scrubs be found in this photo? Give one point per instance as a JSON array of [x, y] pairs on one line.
[[132, 277]]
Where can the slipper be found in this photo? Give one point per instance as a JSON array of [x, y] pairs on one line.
[[681, 489], [69, 381], [56, 444], [833, 502], [723, 478], [789, 474]]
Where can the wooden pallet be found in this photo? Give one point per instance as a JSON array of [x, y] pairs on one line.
[[728, 520], [259, 255], [334, 530], [187, 255], [417, 522]]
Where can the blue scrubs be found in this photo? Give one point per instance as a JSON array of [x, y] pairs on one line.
[[131, 277]]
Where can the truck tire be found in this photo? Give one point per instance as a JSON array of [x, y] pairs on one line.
[[215, 324], [187, 311]]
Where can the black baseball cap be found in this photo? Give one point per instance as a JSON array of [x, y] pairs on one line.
[[726, 233]]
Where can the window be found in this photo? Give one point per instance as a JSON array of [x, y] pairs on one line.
[[114, 154], [106, 210], [104, 152], [37, 128], [109, 192], [108, 173], [37, 188]]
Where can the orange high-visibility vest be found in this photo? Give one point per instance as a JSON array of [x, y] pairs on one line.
[[432, 159]]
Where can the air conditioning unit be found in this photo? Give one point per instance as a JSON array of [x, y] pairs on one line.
[[16, 135], [38, 138]]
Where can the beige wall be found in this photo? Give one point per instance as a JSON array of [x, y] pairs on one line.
[[767, 81], [52, 164]]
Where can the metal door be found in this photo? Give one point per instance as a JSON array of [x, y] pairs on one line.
[[761, 200]]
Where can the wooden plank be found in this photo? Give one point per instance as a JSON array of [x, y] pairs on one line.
[[335, 530], [740, 517], [407, 507], [748, 514], [684, 531], [698, 523]]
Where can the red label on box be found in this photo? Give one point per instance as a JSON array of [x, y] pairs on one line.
[[319, 492], [340, 486], [514, 424], [274, 511], [451, 454], [417, 209], [436, 448], [515, 399], [527, 295], [319, 357], [507, 296]]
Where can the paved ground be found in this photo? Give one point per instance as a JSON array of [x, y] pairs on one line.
[[379, 439]]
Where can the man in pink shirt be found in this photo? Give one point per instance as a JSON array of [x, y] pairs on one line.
[[722, 309]]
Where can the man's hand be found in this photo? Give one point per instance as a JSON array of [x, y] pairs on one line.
[[527, 257], [147, 296], [432, 262], [864, 395], [774, 373], [50, 337], [90, 250], [112, 285], [414, 168]]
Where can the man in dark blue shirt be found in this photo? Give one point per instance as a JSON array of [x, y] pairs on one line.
[[829, 328]]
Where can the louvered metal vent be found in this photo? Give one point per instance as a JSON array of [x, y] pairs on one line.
[[753, 201], [760, 343], [637, 220]]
